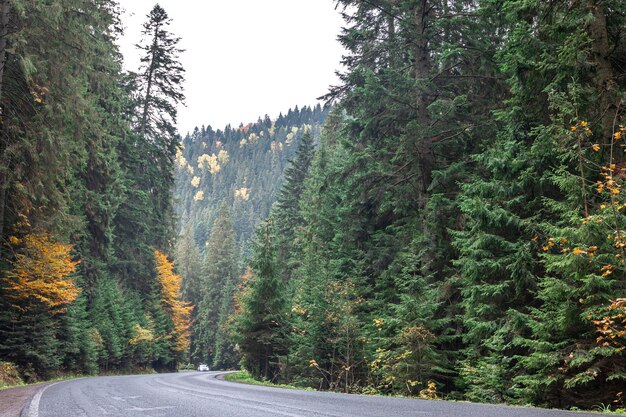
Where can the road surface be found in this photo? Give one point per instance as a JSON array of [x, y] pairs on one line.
[[191, 394]]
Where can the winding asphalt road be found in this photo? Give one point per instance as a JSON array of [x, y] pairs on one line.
[[193, 394]]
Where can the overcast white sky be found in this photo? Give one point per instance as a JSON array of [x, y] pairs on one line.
[[245, 58]]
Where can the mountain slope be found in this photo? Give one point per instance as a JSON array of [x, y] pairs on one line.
[[242, 166]]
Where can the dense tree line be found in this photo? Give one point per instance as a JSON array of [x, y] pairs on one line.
[[86, 175], [242, 167], [459, 230], [226, 183]]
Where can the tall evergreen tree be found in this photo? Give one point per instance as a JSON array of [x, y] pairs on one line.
[[260, 326], [160, 84], [220, 274], [287, 208]]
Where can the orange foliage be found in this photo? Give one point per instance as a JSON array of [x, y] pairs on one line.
[[241, 291], [171, 296], [245, 128], [41, 271], [612, 328]]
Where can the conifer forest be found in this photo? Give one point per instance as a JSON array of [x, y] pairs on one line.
[[448, 222]]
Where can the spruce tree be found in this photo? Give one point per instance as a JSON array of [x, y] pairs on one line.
[[287, 208], [220, 275], [260, 326], [160, 84]]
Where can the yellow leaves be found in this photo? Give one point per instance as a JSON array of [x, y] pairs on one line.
[[277, 146], [180, 159], [378, 323], [199, 196], [430, 392], [579, 251], [617, 135], [298, 310], [213, 162], [171, 296], [210, 162], [242, 194], [38, 93], [141, 335], [195, 182], [595, 147], [41, 271], [313, 364], [223, 157]]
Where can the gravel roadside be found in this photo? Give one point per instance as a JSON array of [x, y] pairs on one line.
[[13, 400]]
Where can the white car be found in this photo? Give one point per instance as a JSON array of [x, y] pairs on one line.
[[203, 367]]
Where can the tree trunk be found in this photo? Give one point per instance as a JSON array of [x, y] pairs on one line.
[[604, 79], [146, 104], [5, 8], [422, 69]]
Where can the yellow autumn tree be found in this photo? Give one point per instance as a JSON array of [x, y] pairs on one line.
[[171, 296], [41, 271]]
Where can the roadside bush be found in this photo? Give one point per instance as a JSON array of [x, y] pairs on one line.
[[9, 375]]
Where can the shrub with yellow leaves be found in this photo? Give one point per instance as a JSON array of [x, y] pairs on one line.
[[41, 271]]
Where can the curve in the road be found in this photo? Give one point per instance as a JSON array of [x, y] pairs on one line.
[[192, 394]]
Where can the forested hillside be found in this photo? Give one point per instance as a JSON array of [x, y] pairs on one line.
[[460, 229], [86, 175], [226, 183], [240, 166]]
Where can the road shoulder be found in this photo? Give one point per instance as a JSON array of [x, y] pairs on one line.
[[14, 400]]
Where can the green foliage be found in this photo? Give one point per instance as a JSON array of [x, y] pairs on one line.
[[71, 163], [248, 177], [220, 274], [447, 237], [260, 325]]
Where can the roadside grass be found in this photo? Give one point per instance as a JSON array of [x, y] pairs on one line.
[[46, 381], [244, 377]]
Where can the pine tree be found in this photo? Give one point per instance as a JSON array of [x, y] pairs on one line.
[[188, 262], [220, 274], [287, 208], [160, 84], [260, 325]]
